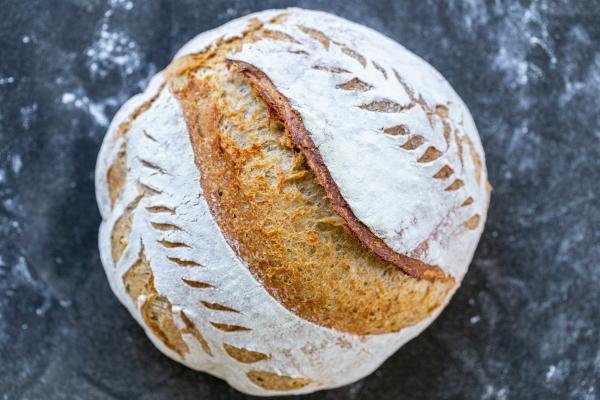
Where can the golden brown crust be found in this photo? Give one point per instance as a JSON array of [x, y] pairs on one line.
[[156, 309], [158, 314], [119, 237], [283, 109], [274, 213], [244, 355], [116, 175], [272, 381]]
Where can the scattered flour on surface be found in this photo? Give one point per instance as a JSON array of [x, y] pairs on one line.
[[492, 393], [355, 390], [21, 273], [27, 114], [550, 373], [46, 303], [516, 37], [588, 86], [10, 205], [65, 303], [113, 49], [229, 13], [97, 110], [68, 98], [6, 80], [16, 163]]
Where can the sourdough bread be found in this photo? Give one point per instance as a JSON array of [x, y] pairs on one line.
[[290, 201]]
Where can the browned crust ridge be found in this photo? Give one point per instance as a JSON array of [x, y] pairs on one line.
[[282, 107], [265, 184]]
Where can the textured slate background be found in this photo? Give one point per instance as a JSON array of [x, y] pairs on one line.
[[525, 324]]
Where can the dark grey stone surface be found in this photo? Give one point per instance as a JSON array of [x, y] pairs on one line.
[[524, 325]]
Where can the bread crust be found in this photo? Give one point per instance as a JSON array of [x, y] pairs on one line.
[[267, 286], [281, 106], [338, 282]]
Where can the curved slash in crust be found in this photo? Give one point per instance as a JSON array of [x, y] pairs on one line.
[[299, 135]]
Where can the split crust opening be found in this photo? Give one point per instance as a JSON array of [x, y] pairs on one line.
[[279, 209]]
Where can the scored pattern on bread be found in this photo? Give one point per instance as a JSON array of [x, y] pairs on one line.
[[156, 308], [432, 130], [275, 214], [302, 139], [124, 126], [244, 355], [161, 226], [116, 174], [217, 306], [436, 114], [121, 230], [197, 284], [273, 381], [238, 265], [190, 327], [183, 263]]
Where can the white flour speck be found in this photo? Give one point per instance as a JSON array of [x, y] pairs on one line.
[[46, 304], [10, 205], [7, 80], [523, 30], [502, 394], [67, 98], [21, 272], [584, 87], [25, 39], [354, 390], [112, 50], [27, 114], [16, 163], [506, 60], [97, 110], [64, 303], [550, 373], [475, 319], [492, 393]]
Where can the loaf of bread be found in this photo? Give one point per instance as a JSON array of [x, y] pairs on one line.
[[290, 201]]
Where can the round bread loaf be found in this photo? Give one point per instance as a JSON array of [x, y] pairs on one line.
[[290, 201]]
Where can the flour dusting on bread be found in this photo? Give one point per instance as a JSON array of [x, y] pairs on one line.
[[273, 290]]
